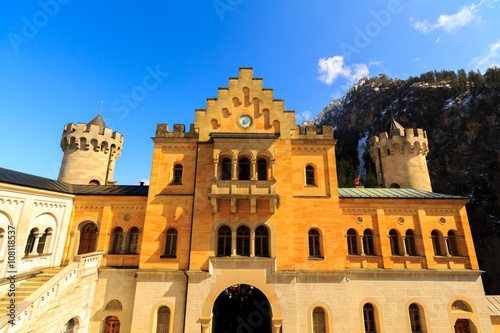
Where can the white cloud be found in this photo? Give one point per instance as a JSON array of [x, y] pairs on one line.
[[487, 59], [375, 63], [416, 59], [334, 67], [438, 40], [451, 23], [306, 115]]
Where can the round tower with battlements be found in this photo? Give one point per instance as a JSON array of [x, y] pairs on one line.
[[399, 157], [90, 152]]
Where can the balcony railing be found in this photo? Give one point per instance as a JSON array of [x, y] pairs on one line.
[[252, 190]]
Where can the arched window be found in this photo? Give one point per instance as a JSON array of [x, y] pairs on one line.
[[94, 182], [394, 240], [114, 305], [133, 240], [44, 241], [177, 174], [368, 242], [410, 243], [319, 325], [163, 321], [117, 240], [415, 321], [369, 318], [244, 169], [171, 243], [112, 325], [224, 241], [262, 169], [261, 242], [436, 243], [352, 242], [69, 327], [243, 241], [30, 242], [314, 244], [226, 169], [88, 239], [452, 243], [310, 175]]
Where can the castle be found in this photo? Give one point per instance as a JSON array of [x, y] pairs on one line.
[[242, 229]]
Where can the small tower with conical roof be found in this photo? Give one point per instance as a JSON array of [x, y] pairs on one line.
[[399, 157], [90, 151]]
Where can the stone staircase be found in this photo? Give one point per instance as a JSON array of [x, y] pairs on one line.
[[27, 287]]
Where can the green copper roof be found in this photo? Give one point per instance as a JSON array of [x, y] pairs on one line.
[[392, 193]]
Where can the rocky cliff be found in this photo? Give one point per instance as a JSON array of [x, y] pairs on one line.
[[462, 123]]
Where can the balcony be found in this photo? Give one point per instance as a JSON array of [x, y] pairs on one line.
[[252, 190]]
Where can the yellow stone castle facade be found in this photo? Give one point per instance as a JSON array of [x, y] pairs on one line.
[[242, 229]]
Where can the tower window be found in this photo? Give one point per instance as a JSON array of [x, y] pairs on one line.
[[416, 326], [369, 318], [171, 243], [177, 174], [244, 169], [261, 242], [94, 182], [224, 241], [394, 239], [352, 242], [226, 169], [163, 321], [314, 244], [310, 176], [262, 169], [319, 320], [368, 242], [243, 241]]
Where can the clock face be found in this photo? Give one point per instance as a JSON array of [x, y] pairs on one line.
[[245, 121]]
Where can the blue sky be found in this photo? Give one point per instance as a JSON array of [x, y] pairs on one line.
[[60, 58]]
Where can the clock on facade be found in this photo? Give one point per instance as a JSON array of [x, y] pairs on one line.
[[245, 121]]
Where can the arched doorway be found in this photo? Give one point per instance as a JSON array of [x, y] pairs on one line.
[[241, 308], [88, 239], [462, 326], [112, 325], [70, 327]]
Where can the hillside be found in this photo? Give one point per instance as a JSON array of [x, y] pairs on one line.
[[461, 115]]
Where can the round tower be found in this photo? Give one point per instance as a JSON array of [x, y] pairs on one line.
[[90, 151], [400, 158]]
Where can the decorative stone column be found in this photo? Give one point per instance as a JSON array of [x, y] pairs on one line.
[[277, 322], [271, 163], [234, 170], [252, 169], [405, 250], [361, 247], [205, 325], [34, 252], [216, 167], [252, 243], [446, 248]]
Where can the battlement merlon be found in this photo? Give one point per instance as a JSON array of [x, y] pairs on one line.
[[408, 141], [313, 133], [92, 131], [179, 131]]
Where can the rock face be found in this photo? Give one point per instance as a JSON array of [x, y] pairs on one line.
[[464, 140]]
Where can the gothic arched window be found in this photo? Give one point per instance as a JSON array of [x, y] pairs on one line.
[[261, 242], [243, 241], [224, 241]]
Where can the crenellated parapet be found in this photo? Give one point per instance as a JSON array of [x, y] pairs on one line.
[[179, 131], [91, 138], [399, 141], [313, 133]]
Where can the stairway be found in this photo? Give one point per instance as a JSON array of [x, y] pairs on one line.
[[27, 287]]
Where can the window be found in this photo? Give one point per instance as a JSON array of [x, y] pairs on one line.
[[261, 242], [369, 318], [94, 182], [314, 246], [163, 322], [243, 241], [262, 169], [410, 243], [171, 243], [224, 241], [44, 241], [394, 240], [88, 239], [226, 169], [436, 243], [244, 169], [177, 174], [452, 243], [133, 240], [30, 242], [310, 175], [319, 320], [69, 327], [368, 242], [416, 326], [117, 240], [352, 242], [112, 325]]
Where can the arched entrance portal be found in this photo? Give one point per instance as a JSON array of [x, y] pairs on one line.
[[462, 326], [241, 308], [88, 239]]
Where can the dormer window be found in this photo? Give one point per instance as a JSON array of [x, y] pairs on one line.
[[177, 174]]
